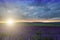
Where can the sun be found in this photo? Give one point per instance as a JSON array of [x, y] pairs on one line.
[[10, 21]]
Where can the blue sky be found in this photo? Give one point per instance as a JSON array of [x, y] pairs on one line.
[[30, 9]]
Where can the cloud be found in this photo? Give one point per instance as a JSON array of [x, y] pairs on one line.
[[48, 11], [31, 10]]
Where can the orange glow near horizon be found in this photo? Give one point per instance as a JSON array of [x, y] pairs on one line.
[[10, 21]]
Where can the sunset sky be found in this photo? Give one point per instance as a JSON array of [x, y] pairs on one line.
[[30, 9]]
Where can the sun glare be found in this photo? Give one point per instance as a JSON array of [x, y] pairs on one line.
[[10, 21]]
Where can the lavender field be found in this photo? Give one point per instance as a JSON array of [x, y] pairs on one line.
[[21, 31]]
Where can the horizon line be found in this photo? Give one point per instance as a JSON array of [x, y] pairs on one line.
[[33, 21]]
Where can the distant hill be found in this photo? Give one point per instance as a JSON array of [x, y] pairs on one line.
[[41, 23]]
